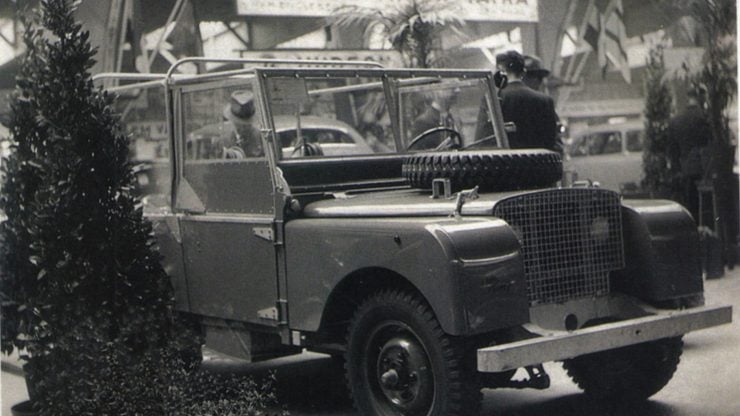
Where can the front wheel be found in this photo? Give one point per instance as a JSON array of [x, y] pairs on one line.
[[628, 374], [399, 362]]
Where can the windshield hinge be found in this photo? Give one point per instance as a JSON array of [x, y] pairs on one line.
[[462, 197]]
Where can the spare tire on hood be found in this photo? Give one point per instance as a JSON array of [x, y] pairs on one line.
[[491, 170]]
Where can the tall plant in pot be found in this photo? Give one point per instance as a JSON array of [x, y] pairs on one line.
[[83, 294], [718, 78], [660, 157]]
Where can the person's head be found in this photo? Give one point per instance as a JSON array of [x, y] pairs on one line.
[[443, 100], [693, 97], [534, 74], [240, 109], [512, 63]]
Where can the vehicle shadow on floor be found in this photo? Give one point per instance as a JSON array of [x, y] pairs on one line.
[[311, 384], [316, 386], [570, 405]]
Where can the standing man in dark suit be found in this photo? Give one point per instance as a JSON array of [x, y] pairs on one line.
[[532, 112], [535, 73], [689, 132]]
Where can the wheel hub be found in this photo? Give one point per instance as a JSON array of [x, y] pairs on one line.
[[404, 375]]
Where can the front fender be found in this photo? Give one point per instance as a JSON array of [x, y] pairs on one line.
[[468, 269], [662, 260]]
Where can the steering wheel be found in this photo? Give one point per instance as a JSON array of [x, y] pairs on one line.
[[483, 143], [307, 149], [452, 141]]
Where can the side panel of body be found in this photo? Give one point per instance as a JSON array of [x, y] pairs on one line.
[[661, 252], [438, 256], [167, 232]]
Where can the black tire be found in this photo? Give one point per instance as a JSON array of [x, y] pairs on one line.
[[628, 374], [399, 362], [490, 170]]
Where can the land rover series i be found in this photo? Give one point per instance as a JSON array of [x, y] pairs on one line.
[[434, 263]]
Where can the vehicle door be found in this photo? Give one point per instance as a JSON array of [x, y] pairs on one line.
[[143, 115], [226, 208]]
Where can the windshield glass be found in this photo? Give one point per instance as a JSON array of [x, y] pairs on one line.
[[330, 116], [144, 117], [432, 109]]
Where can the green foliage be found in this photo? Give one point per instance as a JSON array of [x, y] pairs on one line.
[[83, 293], [84, 296], [76, 245], [103, 379], [718, 80], [413, 27], [660, 156]]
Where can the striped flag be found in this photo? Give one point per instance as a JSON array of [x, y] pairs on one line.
[[614, 38], [606, 34], [591, 30]]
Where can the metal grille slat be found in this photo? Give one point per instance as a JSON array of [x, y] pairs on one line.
[[571, 239]]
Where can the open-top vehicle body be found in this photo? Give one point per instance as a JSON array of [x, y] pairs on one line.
[[432, 264]]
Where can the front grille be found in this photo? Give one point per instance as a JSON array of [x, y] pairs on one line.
[[571, 239]]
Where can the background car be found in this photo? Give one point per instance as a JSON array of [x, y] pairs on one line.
[[334, 137], [610, 154]]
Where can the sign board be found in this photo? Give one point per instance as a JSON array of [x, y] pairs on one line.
[[474, 10], [287, 90], [600, 108], [390, 59]]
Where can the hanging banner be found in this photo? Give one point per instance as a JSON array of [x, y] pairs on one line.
[[474, 10], [389, 59]]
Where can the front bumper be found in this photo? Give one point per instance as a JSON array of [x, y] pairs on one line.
[[561, 345]]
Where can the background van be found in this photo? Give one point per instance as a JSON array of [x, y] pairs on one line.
[[610, 154]]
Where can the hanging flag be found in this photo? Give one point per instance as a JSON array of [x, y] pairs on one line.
[[592, 26], [606, 34], [614, 37]]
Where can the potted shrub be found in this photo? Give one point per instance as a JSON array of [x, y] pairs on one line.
[[83, 293]]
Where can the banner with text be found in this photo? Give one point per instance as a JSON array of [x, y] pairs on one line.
[[389, 59], [477, 10]]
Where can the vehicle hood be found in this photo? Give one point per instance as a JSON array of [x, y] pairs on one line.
[[400, 203]]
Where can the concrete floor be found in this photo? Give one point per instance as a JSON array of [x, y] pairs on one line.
[[706, 383]]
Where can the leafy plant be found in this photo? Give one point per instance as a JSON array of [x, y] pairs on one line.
[[413, 27], [660, 160], [153, 383], [80, 273], [717, 78]]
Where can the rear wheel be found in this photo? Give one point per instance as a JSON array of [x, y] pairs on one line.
[[627, 374], [399, 362]]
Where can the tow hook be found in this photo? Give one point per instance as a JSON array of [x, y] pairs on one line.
[[537, 379]]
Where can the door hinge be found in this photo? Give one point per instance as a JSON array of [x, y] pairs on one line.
[[268, 313], [264, 233]]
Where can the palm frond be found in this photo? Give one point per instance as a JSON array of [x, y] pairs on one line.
[[347, 16]]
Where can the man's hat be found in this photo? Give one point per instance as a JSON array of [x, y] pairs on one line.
[[512, 60], [240, 108], [533, 65]]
